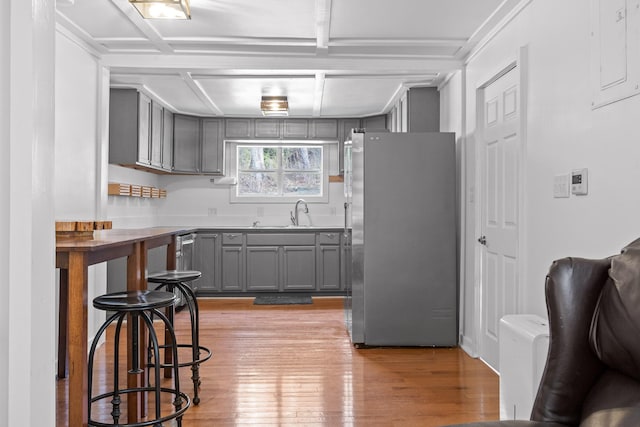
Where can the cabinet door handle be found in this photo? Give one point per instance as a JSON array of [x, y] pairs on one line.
[[330, 235]]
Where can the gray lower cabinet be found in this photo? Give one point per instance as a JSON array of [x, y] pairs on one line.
[[263, 268], [328, 263], [299, 268], [207, 261], [254, 262], [281, 261], [232, 276], [329, 271]]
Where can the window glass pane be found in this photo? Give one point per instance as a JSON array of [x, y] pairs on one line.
[[257, 158], [302, 183], [302, 158], [258, 183]]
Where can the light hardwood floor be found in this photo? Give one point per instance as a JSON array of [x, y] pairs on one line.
[[294, 366]]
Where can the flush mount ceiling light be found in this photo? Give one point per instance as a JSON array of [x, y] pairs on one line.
[[163, 9], [274, 106]]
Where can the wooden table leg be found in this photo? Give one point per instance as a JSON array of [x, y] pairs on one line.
[[136, 280], [63, 307], [77, 323]]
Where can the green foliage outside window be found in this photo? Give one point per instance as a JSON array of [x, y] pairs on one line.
[[277, 171]]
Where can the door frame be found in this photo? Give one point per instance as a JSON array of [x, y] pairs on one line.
[[519, 65]]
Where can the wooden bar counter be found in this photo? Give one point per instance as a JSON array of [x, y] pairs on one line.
[[73, 258]]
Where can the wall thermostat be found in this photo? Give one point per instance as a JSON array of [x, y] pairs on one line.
[[579, 182]]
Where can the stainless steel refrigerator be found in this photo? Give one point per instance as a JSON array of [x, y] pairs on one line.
[[402, 211]]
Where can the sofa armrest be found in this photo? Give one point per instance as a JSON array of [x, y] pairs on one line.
[[572, 288]]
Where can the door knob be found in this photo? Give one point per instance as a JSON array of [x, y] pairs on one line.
[[483, 240]]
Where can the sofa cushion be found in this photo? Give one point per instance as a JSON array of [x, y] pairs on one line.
[[615, 332], [614, 401]]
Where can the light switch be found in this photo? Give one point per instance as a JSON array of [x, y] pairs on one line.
[[579, 182], [561, 185]]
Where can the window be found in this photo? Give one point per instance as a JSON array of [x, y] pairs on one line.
[[279, 173]]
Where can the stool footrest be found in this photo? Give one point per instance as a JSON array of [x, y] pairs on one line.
[[207, 355]]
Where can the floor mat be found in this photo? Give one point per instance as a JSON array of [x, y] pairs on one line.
[[282, 299]]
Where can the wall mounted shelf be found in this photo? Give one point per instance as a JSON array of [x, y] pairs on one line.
[[133, 190]]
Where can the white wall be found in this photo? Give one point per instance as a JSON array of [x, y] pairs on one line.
[[5, 202], [133, 212], [194, 200], [563, 133], [452, 120], [26, 213], [80, 159]]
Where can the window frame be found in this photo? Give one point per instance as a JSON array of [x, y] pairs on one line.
[[232, 168]]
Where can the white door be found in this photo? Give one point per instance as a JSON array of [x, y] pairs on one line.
[[500, 148]]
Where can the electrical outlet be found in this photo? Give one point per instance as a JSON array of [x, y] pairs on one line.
[[212, 211], [561, 185]]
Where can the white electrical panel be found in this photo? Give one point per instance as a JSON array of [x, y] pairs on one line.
[[579, 182]]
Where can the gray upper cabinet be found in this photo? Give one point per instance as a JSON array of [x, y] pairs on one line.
[[267, 128], [129, 127], [167, 140], [344, 129], [198, 145], [186, 143], [423, 109], [323, 129], [144, 124], [212, 146], [238, 128], [157, 129], [375, 122], [295, 128], [345, 126]]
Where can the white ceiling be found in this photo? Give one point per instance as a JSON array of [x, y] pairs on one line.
[[332, 58]]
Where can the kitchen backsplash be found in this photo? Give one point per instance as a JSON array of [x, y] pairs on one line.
[[195, 201]]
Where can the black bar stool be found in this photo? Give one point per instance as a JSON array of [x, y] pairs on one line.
[[139, 305], [172, 281]]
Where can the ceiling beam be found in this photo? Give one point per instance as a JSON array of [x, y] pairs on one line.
[[323, 26], [143, 25], [204, 64], [318, 94], [202, 95]]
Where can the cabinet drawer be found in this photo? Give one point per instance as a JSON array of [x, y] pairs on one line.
[[231, 238], [329, 238], [281, 239]]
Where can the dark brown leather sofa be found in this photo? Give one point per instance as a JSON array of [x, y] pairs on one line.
[[592, 374]]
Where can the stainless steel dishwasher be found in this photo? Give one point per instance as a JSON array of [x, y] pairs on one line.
[[184, 260]]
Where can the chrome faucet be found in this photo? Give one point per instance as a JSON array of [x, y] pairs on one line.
[[294, 215]]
